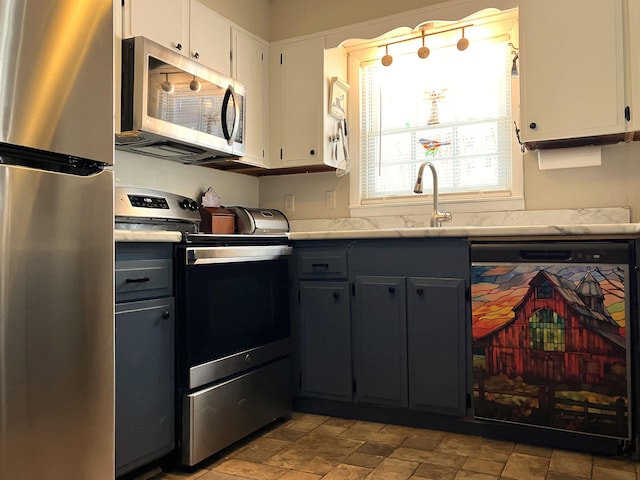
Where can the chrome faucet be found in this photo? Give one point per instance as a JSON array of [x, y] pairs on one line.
[[437, 217]]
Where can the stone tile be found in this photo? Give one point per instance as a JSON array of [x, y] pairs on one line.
[[286, 434], [421, 443], [393, 469], [329, 430], [256, 455], [434, 458], [369, 426], [340, 422], [305, 423], [377, 448], [255, 471], [615, 463], [267, 443], [347, 472], [521, 465], [366, 435], [465, 475], [412, 431], [533, 450], [571, 463], [182, 475], [561, 476], [428, 471], [213, 475], [314, 454], [294, 475], [605, 473], [480, 465], [477, 447], [364, 460]]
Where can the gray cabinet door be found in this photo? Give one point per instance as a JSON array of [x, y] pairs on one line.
[[436, 344], [380, 341], [144, 374], [325, 336]]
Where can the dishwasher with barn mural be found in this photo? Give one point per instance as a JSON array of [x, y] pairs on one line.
[[551, 330]]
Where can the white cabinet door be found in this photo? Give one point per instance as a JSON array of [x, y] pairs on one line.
[[164, 21], [572, 69], [210, 38], [251, 68], [297, 103], [633, 57]]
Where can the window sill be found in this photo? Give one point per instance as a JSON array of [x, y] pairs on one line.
[[454, 206]]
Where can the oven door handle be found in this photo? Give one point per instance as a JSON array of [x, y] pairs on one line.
[[236, 254]]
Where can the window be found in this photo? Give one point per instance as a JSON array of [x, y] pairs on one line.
[[452, 108], [547, 330]]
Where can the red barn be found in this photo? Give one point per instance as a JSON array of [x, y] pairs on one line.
[[561, 333]]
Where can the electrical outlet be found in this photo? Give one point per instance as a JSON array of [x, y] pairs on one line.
[[288, 202], [330, 199]]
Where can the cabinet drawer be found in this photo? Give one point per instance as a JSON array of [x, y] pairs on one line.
[[322, 264], [140, 279]]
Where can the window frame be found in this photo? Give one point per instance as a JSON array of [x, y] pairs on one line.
[[416, 206]]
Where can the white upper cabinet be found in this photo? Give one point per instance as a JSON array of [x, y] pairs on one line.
[[633, 58], [210, 38], [164, 21], [184, 25], [250, 66], [571, 70], [300, 73]]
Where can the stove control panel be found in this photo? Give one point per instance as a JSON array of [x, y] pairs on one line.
[[139, 204]]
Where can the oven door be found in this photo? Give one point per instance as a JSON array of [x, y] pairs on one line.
[[234, 310]]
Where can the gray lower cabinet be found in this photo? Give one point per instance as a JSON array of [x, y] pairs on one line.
[[325, 340], [144, 355], [384, 323], [380, 341]]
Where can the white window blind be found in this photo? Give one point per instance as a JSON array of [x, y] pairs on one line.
[[452, 108]]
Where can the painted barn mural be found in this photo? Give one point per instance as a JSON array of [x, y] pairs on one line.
[[550, 346]]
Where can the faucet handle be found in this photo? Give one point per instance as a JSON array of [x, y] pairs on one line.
[[447, 216]]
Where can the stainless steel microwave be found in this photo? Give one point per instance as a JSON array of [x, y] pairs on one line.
[[175, 108]]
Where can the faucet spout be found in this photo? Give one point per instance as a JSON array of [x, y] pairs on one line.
[[437, 216]]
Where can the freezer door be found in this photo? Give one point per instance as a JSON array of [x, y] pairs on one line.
[[56, 325], [56, 76]]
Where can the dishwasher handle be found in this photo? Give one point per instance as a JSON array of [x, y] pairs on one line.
[[546, 255], [236, 254]]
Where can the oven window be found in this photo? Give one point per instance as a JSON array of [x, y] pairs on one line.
[[234, 307]]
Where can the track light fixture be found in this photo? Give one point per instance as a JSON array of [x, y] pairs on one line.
[[423, 51], [167, 86], [195, 84]]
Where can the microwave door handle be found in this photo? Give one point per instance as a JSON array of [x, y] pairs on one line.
[[230, 94]]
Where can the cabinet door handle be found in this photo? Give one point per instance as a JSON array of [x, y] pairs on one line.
[[196, 55], [392, 289], [336, 295], [324, 266], [533, 125], [137, 280], [419, 291], [178, 46], [166, 314]]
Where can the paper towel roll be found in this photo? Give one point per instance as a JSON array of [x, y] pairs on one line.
[[590, 156]]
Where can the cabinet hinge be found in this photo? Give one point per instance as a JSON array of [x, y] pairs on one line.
[[300, 381], [627, 113], [353, 289], [353, 385]]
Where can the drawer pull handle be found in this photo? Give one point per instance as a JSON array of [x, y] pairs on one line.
[[320, 265], [336, 295], [166, 315], [137, 280], [419, 291], [392, 290]]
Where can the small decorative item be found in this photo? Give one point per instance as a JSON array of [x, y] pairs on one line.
[[338, 98], [435, 98], [431, 146]]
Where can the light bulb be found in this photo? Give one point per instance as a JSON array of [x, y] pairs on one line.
[[463, 43], [167, 86], [195, 85], [387, 59]]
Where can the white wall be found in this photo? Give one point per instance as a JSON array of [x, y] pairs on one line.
[[188, 180]]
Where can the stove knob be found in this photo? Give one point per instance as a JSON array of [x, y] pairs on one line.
[[193, 205], [185, 204]]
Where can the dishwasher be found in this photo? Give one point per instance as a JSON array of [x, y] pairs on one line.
[[550, 335]]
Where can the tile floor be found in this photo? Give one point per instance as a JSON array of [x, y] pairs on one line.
[[314, 447]]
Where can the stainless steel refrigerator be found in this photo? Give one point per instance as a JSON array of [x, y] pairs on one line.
[[56, 240]]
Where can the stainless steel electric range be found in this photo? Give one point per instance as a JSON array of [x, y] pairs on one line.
[[232, 323]]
